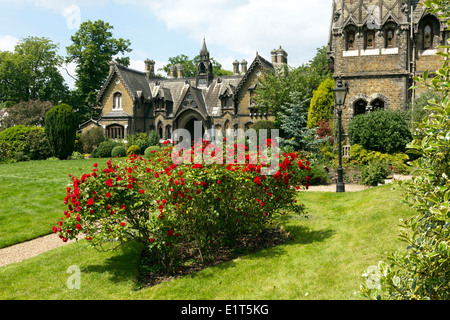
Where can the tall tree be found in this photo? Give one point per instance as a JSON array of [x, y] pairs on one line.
[[275, 88], [60, 129], [93, 47], [31, 72]]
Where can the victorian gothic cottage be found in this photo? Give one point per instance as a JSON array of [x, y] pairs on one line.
[[134, 102], [377, 46]]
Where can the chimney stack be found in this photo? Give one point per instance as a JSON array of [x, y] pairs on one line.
[[274, 56], [244, 66], [180, 70], [172, 72], [236, 67], [149, 68]]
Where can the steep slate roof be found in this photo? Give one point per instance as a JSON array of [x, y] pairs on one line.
[[208, 98]]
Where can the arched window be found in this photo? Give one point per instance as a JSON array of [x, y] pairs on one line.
[[390, 38], [115, 131], [428, 36], [117, 100], [377, 104], [360, 107], [370, 39]]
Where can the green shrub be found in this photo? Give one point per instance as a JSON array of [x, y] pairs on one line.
[[322, 103], [31, 142], [61, 128], [150, 151], [76, 156], [397, 161], [153, 139], [263, 124], [374, 173], [385, 131], [139, 139], [104, 149], [133, 150], [92, 138], [118, 151]]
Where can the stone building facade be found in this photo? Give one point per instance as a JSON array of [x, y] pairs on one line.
[[378, 46], [133, 102]]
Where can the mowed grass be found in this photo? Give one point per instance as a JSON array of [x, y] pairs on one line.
[[344, 234], [32, 196]]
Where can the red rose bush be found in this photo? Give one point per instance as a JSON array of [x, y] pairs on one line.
[[166, 204]]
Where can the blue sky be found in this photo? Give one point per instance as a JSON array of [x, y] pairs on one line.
[[233, 29]]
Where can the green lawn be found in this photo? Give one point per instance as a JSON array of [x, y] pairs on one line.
[[344, 234], [32, 195]]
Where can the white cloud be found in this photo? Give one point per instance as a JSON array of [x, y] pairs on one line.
[[7, 43], [245, 27]]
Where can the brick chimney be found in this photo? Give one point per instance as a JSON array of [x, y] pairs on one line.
[[180, 70], [236, 67], [244, 66], [149, 68]]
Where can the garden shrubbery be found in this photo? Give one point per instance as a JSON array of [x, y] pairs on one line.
[[24, 143], [167, 206], [383, 130]]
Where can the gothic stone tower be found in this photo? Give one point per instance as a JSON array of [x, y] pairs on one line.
[[377, 46]]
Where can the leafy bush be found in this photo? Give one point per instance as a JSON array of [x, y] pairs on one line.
[[150, 151], [61, 128], [118, 151], [264, 125], [76, 156], [30, 142], [322, 103], [133, 150], [105, 148], [153, 139], [374, 173], [385, 131], [397, 161], [139, 139], [166, 205], [92, 138]]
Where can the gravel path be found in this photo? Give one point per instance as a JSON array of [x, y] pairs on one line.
[[25, 250]]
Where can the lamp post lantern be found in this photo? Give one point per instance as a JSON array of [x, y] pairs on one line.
[[340, 93]]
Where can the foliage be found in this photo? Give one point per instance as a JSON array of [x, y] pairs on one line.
[[275, 88], [165, 205], [104, 149], [118, 151], [190, 66], [31, 72], [322, 103], [92, 138], [92, 48], [397, 161], [152, 151], [60, 129], [136, 150], [24, 143], [153, 139], [381, 130], [294, 126], [417, 111], [263, 125], [422, 271], [142, 140], [374, 173], [27, 113]]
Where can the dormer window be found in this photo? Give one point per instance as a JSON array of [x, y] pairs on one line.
[[390, 38], [117, 100], [428, 36], [370, 39], [227, 102], [351, 40]]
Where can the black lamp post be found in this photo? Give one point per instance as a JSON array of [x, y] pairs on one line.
[[340, 93]]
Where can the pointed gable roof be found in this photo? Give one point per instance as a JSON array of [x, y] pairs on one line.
[[136, 82]]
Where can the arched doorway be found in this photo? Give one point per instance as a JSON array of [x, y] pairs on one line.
[[194, 123]]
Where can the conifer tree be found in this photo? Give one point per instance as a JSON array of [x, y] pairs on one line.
[[60, 128]]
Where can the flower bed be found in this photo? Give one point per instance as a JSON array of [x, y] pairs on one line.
[[165, 205]]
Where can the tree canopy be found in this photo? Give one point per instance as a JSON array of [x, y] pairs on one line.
[[93, 47], [31, 72], [190, 66]]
